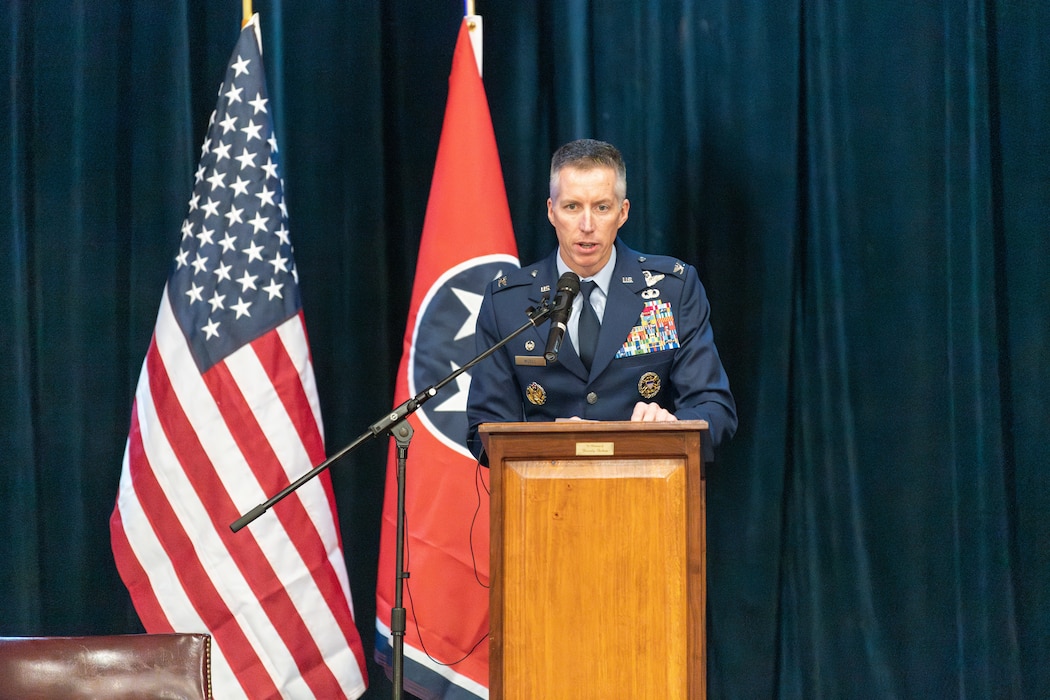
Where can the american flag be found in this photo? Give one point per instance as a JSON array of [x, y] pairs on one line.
[[225, 415]]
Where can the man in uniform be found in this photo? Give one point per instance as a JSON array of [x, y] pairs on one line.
[[654, 357]]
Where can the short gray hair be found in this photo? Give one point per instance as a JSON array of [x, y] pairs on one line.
[[586, 154]]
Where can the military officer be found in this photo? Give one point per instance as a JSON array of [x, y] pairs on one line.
[[654, 358]]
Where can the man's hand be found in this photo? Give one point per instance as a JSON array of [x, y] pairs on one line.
[[651, 412]]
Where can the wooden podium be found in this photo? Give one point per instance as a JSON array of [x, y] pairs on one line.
[[597, 560]]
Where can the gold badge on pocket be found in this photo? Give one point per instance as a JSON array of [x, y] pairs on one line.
[[649, 385], [536, 394]]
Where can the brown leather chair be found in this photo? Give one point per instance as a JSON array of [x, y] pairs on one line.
[[118, 667]]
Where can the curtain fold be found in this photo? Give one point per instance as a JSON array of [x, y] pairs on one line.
[[863, 189], [18, 504], [1021, 195], [981, 552]]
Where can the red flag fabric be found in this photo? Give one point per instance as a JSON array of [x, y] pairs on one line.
[[225, 415], [467, 241]]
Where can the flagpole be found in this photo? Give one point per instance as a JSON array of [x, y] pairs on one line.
[[246, 7], [474, 27]]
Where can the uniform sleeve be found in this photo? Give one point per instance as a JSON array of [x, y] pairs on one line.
[[494, 396], [697, 376]]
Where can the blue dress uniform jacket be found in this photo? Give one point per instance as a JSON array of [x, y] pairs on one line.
[[655, 344]]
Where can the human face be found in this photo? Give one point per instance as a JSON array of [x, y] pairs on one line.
[[586, 214]]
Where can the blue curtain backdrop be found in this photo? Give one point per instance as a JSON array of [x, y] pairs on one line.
[[865, 188]]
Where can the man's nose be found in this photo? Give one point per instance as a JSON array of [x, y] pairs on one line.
[[587, 221]]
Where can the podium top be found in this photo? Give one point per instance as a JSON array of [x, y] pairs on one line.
[[594, 439], [592, 426]]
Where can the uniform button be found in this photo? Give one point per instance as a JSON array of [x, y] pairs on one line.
[[592, 398]]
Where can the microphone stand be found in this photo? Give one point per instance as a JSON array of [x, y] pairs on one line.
[[397, 425]]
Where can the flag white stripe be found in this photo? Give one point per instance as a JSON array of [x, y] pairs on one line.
[[293, 336]]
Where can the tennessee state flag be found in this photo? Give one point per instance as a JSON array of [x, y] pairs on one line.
[[467, 241]]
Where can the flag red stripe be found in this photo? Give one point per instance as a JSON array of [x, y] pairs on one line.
[[192, 576], [149, 608], [245, 551]]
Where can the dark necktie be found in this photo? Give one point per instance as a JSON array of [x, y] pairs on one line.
[[588, 329]]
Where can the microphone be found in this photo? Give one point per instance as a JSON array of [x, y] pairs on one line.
[[568, 288]]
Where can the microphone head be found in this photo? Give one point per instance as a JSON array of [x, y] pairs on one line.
[[568, 288], [569, 282]]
